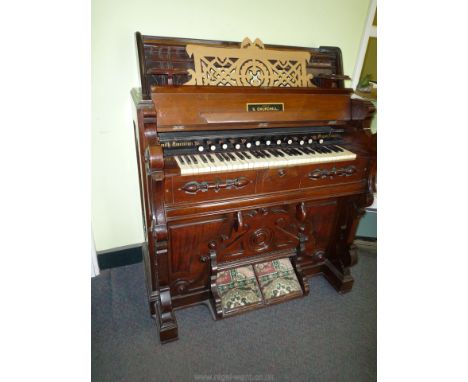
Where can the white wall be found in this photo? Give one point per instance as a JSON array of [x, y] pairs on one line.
[[116, 215]]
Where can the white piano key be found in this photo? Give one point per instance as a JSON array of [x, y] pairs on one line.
[[237, 165], [191, 164], [202, 167], [250, 161], [218, 165], [190, 168], [184, 169], [242, 163]]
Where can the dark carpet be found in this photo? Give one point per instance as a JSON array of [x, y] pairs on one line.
[[322, 337]]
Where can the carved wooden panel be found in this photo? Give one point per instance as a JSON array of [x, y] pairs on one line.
[[188, 244], [258, 231], [195, 188], [250, 65], [334, 173]]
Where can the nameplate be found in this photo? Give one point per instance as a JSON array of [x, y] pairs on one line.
[[265, 107]]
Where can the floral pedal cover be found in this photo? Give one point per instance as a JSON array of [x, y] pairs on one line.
[[277, 278], [238, 288]]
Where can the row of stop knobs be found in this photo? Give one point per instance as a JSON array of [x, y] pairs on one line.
[[256, 143]]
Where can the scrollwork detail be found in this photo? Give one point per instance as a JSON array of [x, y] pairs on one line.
[[194, 187], [330, 173]]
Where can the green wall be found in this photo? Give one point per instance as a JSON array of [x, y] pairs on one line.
[[116, 215], [368, 225]]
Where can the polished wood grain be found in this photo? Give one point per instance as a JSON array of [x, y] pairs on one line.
[[196, 225], [185, 109]]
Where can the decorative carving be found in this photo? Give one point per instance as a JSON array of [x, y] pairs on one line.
[[194, 187], [301, 212], [258, 231], [330, 173], [249, 65], [216, 301], [260, 239], [168, 329], [319, 255]]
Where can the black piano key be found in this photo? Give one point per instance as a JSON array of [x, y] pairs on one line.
[[225, 157], [210, 158], [194, 159], [187, 158], [181, 158], [272, 152], [328, 151], [297, 151], [280, 153], [231, 156], [254, 153], [294, 152], [239, 155], [247, 155], [266, 154], [302, 150], [203, 158], [338, 148], [318, 149], [219, 157]]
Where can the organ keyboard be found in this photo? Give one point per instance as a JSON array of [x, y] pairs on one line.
[[251, 177], [260, 156]]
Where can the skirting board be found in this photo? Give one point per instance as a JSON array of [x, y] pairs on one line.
[[119, 257]]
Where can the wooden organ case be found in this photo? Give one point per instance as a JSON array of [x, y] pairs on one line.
[[250, 157]]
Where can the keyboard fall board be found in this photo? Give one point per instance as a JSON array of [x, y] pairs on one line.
[[260, 159]]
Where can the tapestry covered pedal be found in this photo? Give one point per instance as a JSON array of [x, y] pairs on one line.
[[238, 288], [277, 279]]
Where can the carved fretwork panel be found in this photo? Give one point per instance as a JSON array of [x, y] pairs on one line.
[[249, 65], [188, 245], [258, 231]]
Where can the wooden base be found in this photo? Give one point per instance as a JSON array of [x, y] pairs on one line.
[[167, 322], [342, 282], [168, 329]]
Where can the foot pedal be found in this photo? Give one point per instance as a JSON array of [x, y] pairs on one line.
[[238, 289], [277, 280]]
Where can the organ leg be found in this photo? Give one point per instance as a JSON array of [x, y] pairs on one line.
[[168, 329], [344, 255]]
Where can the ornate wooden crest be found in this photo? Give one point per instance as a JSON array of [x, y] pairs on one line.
[[249, 65]]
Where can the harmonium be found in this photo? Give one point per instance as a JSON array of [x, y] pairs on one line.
[[255, 166]]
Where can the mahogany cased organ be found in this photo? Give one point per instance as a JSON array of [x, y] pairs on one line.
[[255, 166]]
